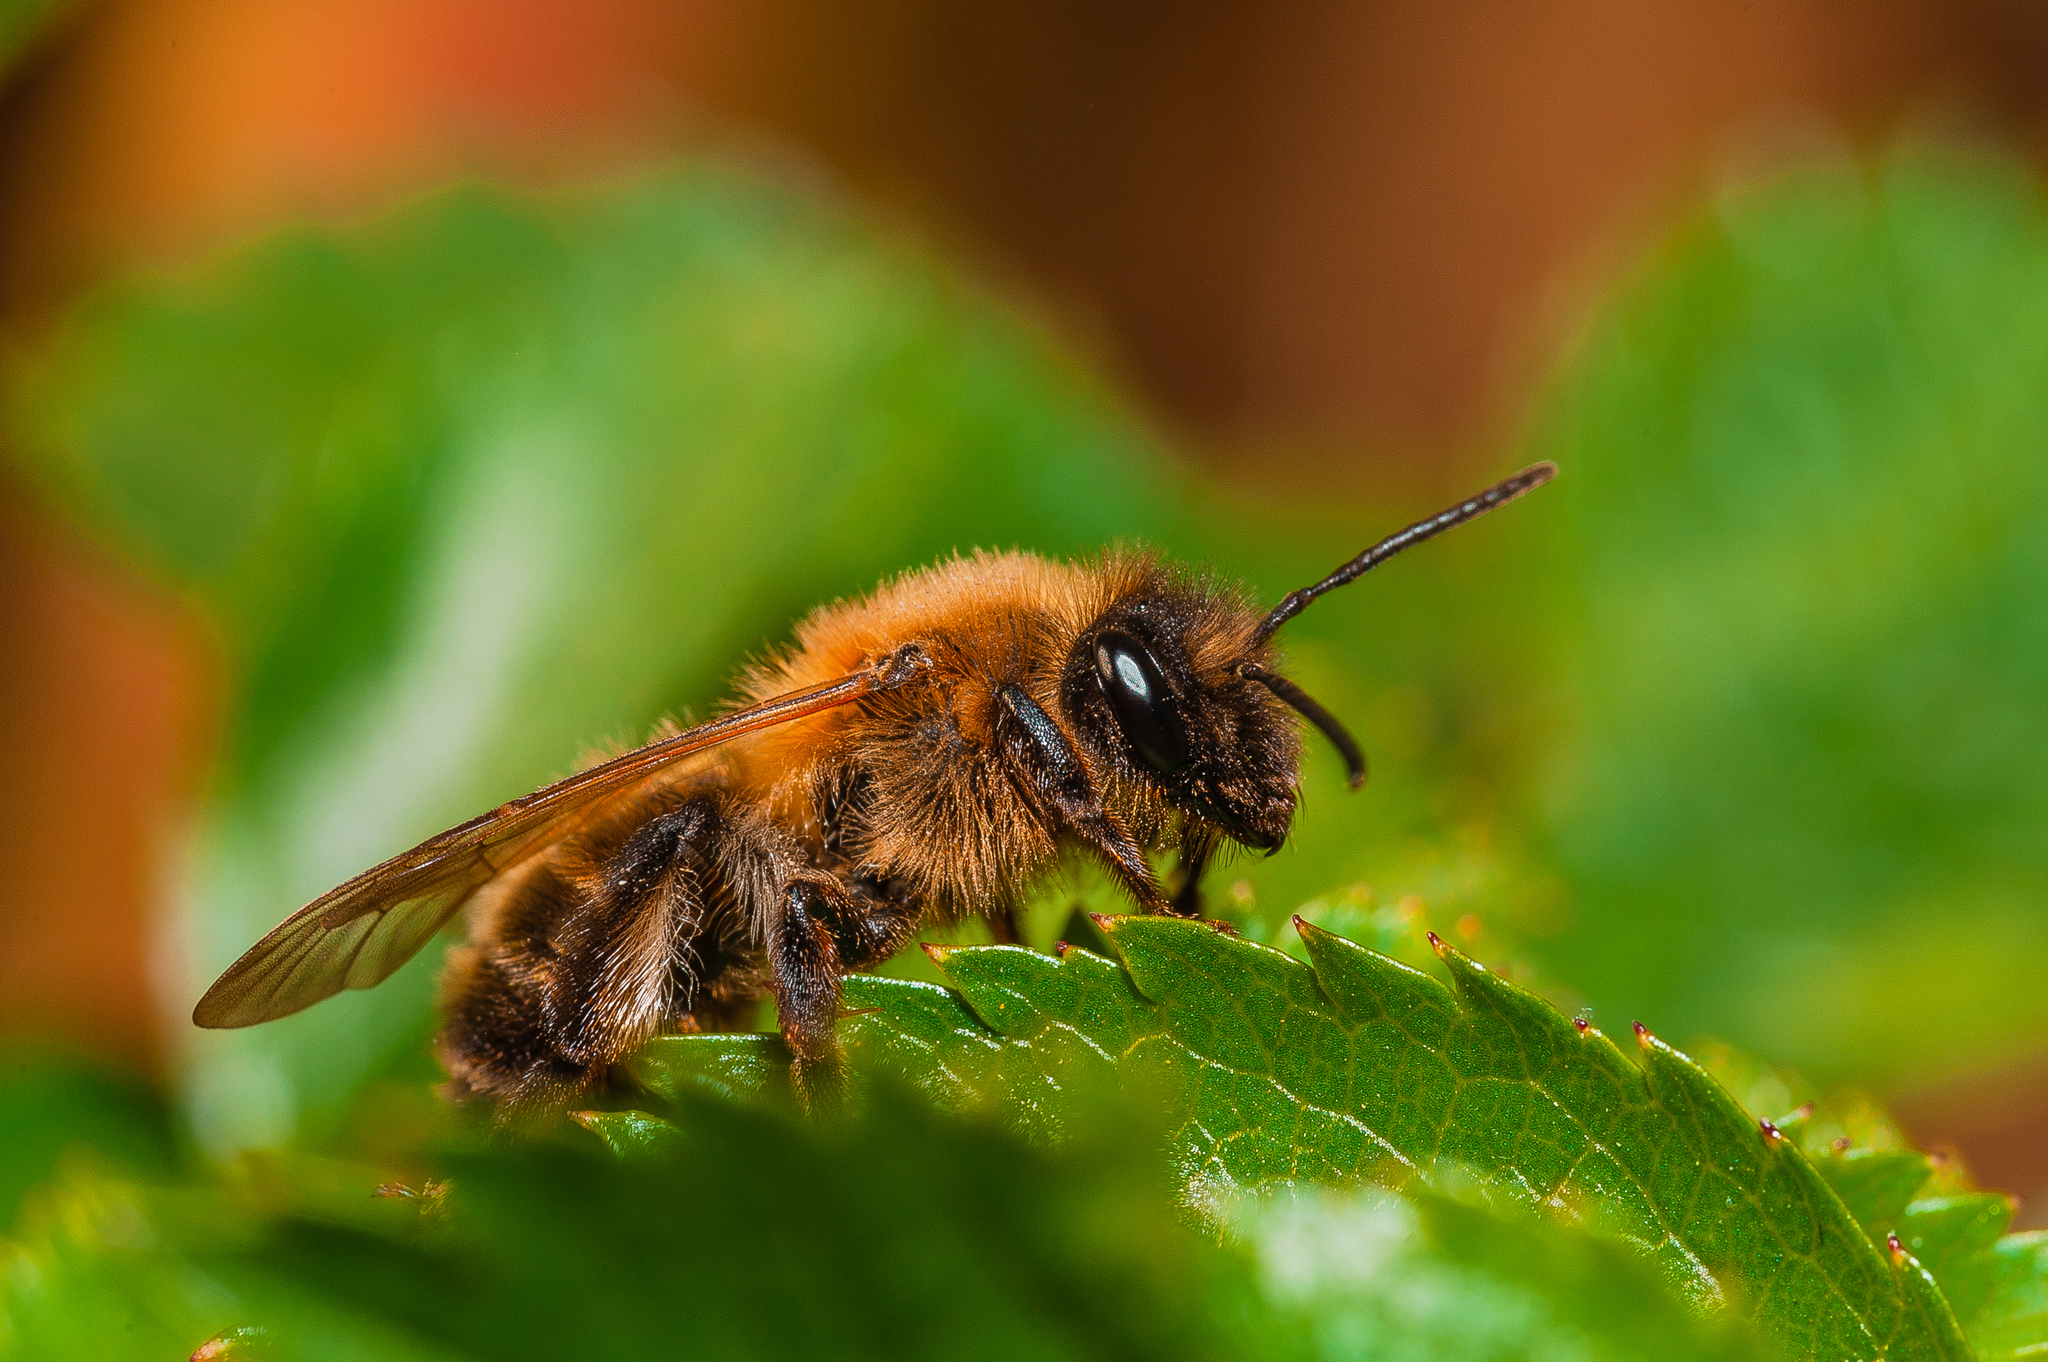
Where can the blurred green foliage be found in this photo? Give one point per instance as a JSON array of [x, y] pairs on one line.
[[1802, 635], [898, 1233], [55, 1104]]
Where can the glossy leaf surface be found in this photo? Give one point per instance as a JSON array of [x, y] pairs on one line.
[[1356, 1069]]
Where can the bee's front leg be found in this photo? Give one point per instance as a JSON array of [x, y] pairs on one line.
[[1055, 781]]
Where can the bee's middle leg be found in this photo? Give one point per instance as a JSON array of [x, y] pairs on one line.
[[872, 920]]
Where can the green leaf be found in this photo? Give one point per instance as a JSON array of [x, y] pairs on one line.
[[724, 1064], [1355, 1068], [1955, 1237]]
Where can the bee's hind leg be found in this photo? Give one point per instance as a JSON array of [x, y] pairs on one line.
[[823, 932], [804, 971]]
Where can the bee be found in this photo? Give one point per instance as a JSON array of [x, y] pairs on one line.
[[929, 750]]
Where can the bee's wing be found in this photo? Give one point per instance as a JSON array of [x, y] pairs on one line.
[[355, 935]]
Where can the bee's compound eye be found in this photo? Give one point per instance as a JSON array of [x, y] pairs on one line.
[[1146, 709]]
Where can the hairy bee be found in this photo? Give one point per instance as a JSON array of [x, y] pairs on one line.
[[929, 749]]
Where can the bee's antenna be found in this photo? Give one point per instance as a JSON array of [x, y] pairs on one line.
[[1500, 494], [1300, 701]]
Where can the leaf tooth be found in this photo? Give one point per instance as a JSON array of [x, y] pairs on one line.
[[996, 983], [1531, 1017], [1167, 952], [1922, 1299], [1922, 1296], [1951, 1234], [1362, 984], [1083, 963]]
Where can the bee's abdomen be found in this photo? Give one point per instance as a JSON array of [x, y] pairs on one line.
[[603, 942]]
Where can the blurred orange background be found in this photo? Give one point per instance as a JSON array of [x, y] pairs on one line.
[[1292, 233]]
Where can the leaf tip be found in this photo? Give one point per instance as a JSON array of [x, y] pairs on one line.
[[1436, 943], [1059, 950], [1772, 1135], [1583, 1025], [1643, 1036], [1840, 1144], [1103, 920], [1891, 1239], [935, 953]]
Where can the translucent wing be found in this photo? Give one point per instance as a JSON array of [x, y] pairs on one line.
[[355, 935]]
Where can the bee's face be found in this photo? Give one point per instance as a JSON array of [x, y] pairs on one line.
[[1153, 688]]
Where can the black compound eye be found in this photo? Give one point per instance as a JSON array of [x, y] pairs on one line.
[[1145, 708]]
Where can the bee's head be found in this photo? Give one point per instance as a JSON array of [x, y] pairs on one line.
[[1163, 686], [1174, 686]]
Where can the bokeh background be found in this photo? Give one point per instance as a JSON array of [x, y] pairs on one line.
[[401, 397]]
